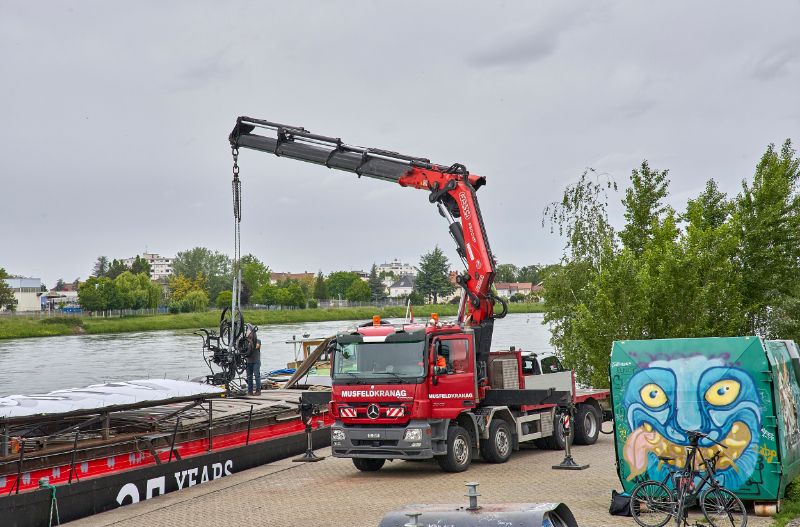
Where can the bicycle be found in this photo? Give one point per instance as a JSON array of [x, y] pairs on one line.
[[653, 500]]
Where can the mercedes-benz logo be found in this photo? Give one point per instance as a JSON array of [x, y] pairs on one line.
[[373, 412]]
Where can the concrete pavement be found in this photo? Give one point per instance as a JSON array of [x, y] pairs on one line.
[[333, 493]]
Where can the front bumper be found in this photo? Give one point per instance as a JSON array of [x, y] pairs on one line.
[[381, 442]]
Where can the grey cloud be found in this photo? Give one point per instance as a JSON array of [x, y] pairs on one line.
[[515, 50], [635, 107], [213, 67], [776, 63]]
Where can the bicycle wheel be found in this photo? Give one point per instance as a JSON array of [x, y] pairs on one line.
[[652, 504], [723, 508]]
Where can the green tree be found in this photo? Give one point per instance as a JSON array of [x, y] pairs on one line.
[[98, 294], [266, 295], [433, 279], [296, 297], [223, 300], [358, 291], [768, 214], [213, 265], [530, 273], [581, 216], [180, 286], [506, 273], [339, 282], [254, 275], [100, 267], [140, 265], [116, 268], [282, 297], [643, 206], [7, 298], [377, 289], [416, 298], [195, 301], [136, 291], [320, 287], [711, 283]]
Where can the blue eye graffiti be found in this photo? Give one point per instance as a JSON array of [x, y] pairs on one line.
[[672, 397]]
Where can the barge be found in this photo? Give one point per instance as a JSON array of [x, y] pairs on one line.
[[73, 453]]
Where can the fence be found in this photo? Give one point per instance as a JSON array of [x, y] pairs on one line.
[[77, 312]]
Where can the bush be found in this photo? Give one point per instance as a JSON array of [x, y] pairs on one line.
[[224, 299], [416, 298], [793, 491], [312, 304], [194, 301], [174, 307]]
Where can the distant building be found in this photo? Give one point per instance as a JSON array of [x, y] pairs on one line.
[[397, 267], [274, 278], [27, 292], [55, 299], [402, 287], [509, 289], [160, 266]]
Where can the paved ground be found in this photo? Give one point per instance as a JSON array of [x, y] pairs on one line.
[[332, 492]]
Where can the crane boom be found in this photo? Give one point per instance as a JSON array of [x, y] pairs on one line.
[[451, 187]]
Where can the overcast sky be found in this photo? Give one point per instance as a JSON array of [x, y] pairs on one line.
[[114, 118]]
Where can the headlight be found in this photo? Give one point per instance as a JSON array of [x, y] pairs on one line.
[[337, 435], [413, 434]]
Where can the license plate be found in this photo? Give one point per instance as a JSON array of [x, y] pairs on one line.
[[373, 435]]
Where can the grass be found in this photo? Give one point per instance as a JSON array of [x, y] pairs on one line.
[[20, 327], [790, 506]]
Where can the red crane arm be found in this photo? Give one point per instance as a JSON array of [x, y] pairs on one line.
[[456, 193], [452, 188]]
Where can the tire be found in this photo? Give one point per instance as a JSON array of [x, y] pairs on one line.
[[722, 507], [498, 448], [587, 425], [557, 441], [459, 451], [652, 504], [365, 464]]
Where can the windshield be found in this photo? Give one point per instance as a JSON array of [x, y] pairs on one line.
[[389, 360]]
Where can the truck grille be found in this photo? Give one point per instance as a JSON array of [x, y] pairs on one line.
[[374, 442]]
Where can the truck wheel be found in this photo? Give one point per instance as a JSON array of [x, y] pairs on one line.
[[459, 451], [368, 464], [556, 441], [497, 449], [587, 425]]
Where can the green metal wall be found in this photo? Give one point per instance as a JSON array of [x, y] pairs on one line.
[[743, 391]]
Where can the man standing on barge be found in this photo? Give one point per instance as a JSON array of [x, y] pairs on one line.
[[254, 365]]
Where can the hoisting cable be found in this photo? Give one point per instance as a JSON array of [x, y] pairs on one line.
[[236, 186]]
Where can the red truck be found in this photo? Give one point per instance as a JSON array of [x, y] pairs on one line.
[[433, 390], [392, 401]]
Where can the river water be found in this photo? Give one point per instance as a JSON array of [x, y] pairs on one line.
[[38, 365]]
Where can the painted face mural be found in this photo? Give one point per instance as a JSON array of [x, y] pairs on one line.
[[672, 397]]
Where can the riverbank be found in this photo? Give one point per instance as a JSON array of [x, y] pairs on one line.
[[22, 327]]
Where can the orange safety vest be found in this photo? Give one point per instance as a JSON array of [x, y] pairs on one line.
[[441, 362]]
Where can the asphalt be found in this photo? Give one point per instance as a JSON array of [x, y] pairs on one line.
[[332, 492]]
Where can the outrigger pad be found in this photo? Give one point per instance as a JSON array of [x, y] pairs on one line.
[[569, 464]]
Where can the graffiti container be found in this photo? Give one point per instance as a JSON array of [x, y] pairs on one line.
[[741, 391]]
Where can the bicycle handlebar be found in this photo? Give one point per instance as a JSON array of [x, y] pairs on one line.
[[696, 434]]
